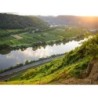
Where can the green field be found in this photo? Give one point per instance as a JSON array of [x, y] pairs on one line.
[[27, 37]]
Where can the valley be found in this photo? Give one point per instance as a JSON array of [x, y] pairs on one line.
[[33, 51]]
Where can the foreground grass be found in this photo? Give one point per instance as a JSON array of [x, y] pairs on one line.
[[50, 72]]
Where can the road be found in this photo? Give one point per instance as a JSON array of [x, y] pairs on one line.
[[11, 73]]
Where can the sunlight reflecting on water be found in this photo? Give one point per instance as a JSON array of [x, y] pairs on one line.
[[20, 56]]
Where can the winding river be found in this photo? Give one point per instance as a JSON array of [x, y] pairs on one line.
[[15, 57]]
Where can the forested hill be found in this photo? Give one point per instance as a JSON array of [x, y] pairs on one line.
[[10, 21], [81, 21]]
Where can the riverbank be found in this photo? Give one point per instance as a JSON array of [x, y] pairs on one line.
[[17, 58], [24, 39], [8, 73]]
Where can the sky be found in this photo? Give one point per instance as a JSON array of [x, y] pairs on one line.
[[50, 7]]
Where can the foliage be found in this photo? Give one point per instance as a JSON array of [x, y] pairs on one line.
[[28, 38], [9, 21]]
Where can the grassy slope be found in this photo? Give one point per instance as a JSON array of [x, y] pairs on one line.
[[28, 38], [72, 65]]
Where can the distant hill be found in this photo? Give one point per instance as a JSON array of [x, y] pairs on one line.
[[82, 21], [10, 21]]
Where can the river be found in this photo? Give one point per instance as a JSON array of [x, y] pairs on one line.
[[19, 56]]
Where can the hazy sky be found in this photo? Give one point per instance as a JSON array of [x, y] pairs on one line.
[[50, 7]]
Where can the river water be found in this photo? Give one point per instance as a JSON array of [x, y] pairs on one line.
[[15, 57]]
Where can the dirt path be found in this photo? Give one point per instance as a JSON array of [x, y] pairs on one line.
[[93, 76]]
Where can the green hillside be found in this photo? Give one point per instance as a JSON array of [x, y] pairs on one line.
[[74, 67], [10, 21]]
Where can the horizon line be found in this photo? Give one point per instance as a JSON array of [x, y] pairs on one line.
[[15, 13]]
